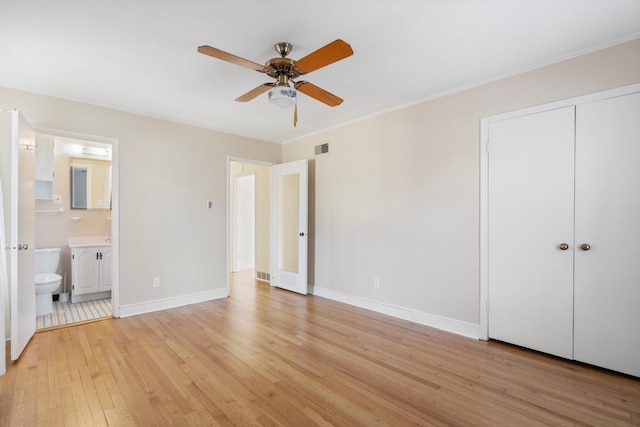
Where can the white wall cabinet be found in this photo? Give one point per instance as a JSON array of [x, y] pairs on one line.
[[90, 272], [44, 168], [563, 209]]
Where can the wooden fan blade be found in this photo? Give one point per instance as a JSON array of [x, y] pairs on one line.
[[225, 56], [334, 51], [318, 93], [254, 92]]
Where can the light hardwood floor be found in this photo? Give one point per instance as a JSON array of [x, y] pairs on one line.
[[267, 357]]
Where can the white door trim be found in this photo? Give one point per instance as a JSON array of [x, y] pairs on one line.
[[484, 174]]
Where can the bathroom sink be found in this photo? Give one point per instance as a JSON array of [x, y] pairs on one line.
[[82, 241]]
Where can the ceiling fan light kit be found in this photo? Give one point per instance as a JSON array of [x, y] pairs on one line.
[[285, 70], [282, 96]]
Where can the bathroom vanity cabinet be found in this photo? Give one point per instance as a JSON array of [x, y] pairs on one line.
[[90, 272]]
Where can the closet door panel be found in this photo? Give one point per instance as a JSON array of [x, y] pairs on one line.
[[530, 214], [607, 275]]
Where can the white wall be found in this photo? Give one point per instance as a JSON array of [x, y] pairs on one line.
[[397, 196], [168, 172]]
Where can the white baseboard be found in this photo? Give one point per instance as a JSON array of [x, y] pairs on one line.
[[466, 329], [163, 304]]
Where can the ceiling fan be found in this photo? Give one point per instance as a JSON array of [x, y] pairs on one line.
[[285, 71]]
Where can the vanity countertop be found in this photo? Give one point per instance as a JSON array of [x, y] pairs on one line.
[[85, 241]]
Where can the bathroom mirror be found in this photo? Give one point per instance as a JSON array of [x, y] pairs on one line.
[[90, 184]]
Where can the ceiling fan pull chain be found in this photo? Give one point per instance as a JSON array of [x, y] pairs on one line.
[[295, 114]]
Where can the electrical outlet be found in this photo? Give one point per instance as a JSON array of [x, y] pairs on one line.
[[376, 283], [156, 282]]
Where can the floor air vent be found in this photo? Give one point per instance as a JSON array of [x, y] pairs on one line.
[[261, 275]]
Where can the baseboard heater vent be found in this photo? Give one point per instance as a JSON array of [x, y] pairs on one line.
[[323, 148], [261, 275]]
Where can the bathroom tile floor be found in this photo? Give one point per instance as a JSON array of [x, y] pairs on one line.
[[67, 312]]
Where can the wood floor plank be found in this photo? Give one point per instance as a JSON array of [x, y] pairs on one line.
[[268, 357]]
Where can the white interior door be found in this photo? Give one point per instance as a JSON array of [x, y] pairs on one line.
[[18, 179], [4, 278], [530, 215], [289, 226], [607, 281]]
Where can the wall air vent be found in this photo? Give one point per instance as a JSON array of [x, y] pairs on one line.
[[321, 149]]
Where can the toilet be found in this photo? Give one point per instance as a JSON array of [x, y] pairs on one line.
[[47, 263]]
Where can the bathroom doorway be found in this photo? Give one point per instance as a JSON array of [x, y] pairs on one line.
[[81, 200]]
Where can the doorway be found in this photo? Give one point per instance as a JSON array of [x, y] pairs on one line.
[[80, 208], [276, 198], [248, 213]]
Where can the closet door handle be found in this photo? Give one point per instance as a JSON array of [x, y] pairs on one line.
[[585, 247], [563, 246]]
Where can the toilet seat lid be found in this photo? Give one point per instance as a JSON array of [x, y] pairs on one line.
[[47, 278]]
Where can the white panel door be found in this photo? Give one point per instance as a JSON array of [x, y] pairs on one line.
[[530, 217], [4, 273], [17, 146], [607, 281], [289, 226]]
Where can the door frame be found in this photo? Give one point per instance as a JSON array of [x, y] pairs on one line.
[[115, 202], [484, 181]]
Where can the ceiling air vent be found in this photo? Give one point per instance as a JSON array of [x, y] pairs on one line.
[[321, 149]]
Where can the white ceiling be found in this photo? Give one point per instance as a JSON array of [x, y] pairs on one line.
[[140, 55]]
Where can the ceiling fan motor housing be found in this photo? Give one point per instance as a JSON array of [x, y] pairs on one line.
[[277, 67]]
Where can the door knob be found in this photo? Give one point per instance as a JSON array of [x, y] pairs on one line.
[[301, 234], [563, 246], [23, 247], [585, 247]]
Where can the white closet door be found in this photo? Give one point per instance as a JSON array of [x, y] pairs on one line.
[[530, 214], [607, 281]]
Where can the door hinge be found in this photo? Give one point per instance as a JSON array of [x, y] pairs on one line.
[[488, 305], [487, 146]]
